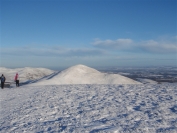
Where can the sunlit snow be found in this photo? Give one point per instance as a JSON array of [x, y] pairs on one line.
[[80, 108], [81, 74]]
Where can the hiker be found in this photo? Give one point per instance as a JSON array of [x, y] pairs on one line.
[[3, 79], [16, 80]]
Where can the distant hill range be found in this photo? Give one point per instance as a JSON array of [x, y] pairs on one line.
[[25, 74], [78, 74]]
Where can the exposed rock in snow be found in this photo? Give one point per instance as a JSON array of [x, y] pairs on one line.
[[147, 81], [81, 74]]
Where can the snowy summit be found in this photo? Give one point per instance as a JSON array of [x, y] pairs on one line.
[[81, 74]]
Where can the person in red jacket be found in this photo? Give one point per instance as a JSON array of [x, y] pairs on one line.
[[16, 80]]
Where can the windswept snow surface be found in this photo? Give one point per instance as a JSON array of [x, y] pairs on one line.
[[141, 108], [81, 74]]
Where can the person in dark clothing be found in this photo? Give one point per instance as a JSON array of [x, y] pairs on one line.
[[3, 79]]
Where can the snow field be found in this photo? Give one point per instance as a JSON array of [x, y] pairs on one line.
[[89, 108]]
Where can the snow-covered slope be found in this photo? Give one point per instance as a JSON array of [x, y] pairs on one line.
[[89, 109], [81, 74], [25, 74]]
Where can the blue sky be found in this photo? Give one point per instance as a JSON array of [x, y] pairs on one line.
[[62, 33]]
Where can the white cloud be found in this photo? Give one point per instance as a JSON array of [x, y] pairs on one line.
[[159, 47], [119, 43], [101, 48], [55, 51], [151, 46]]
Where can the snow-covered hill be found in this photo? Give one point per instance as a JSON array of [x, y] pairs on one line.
[[81, 74], [89, 109], [25, 74]]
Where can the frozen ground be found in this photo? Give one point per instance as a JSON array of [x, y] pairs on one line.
[[141, 108]]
